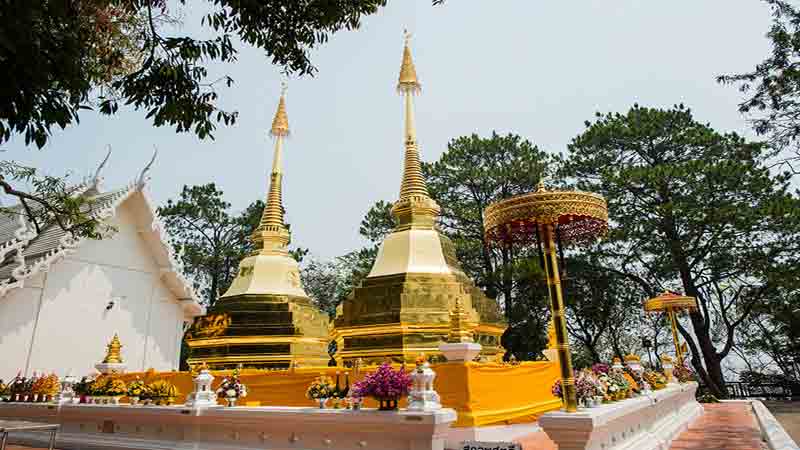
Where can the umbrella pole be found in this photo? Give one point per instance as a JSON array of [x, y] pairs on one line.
[[559, 321], [673, 322]]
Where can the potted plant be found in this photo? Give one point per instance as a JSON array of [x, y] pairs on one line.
[[17, 388], [655, 380], [50, 386], [232, 389], [385, 385], [30, 385], [135, 390], [81, 389], [321, 389], [97, 390], [115, 389], [5, 392], [37, 388], [161, 392], [683, 373]]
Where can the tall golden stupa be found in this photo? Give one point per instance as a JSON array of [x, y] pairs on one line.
[[265, 319], [404, 306]]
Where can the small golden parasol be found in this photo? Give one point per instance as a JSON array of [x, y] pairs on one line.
[[672, 303]]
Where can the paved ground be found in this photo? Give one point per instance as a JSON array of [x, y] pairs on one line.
[[724, 426], [788, 414]]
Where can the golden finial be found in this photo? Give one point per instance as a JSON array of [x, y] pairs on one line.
[[280, 124], [459, 324], [271, 235], [113, 351], [407, 81]]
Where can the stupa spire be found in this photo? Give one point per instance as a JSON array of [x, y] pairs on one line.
[[414, 197], [272, 236]]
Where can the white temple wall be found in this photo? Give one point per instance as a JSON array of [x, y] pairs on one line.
[[17, 318], [75, 323]]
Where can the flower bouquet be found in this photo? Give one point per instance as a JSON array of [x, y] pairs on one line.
[[683, 373], [31, 386], [135, 390], [385, 385], [321, 389], [49, 387], [81, 389], [622, 386], [17, 388], [160, 392], [232, 389], [38, 388], [655, 380], [97, 390], [588, 388], [634, 377], [115, 389]]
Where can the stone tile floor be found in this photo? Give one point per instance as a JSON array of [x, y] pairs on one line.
[[724, 426]]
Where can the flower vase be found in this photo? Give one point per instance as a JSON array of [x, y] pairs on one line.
[[33, 398], [134, 400], [231, 401], [115, 400], [322, 402], [387, 404]]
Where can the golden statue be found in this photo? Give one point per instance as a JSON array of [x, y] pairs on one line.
[[113, 351]]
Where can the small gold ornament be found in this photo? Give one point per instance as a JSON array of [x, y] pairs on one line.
[[113, 351]]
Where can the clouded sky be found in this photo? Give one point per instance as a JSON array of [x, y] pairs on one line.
[[532, 67]]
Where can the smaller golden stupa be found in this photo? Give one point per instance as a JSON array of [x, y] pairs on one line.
[[459, 324], [113, 355], [265, 319]]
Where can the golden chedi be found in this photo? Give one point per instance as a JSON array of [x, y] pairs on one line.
[[265, 319], [113, 351], [403, 307]]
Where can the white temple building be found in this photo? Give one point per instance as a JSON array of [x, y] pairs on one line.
[[62, 299]]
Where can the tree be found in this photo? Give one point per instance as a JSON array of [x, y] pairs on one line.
[[329, 282], [210, 239], [772, 89], [691, 209], [58, 58]]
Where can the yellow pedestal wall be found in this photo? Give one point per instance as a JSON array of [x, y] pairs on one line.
[[482, 394]]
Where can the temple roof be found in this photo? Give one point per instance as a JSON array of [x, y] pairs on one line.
[[44, 250]]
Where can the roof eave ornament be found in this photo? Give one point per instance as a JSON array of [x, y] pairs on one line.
[[93, 187], [143, 177]]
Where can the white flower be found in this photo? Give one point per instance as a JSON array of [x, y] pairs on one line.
[[230, 393]]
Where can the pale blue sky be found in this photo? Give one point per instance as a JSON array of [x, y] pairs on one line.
[[535, 68]]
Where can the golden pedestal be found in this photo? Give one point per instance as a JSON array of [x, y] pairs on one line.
[[266, 331]]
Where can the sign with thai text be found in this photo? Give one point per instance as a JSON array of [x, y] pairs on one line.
[[473, 445]]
